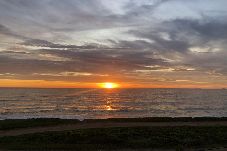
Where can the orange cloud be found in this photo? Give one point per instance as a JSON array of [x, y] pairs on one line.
[[63, 84]]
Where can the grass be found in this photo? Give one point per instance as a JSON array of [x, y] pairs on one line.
[[120, 138], [25, 123]]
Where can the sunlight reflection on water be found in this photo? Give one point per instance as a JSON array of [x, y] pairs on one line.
[[106, 103]]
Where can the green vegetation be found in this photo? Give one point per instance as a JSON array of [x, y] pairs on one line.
[[24, 123], [118, 138]]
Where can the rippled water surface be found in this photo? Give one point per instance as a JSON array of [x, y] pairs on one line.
[[108, 103]]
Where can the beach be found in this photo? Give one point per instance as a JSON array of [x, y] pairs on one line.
[[113, 119], [113, 75], [115, 134]]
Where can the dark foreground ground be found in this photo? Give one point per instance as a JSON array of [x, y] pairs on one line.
[[179, 134]]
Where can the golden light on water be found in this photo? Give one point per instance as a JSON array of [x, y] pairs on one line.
[[109, 108], [109, 85]]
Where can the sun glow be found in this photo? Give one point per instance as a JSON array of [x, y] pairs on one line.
[[109, 85]]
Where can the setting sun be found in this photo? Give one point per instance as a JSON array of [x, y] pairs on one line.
[[109, 85]]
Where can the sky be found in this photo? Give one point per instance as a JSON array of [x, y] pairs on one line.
[[135, 43]]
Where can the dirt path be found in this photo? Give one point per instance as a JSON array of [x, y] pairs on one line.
[[22, 131]]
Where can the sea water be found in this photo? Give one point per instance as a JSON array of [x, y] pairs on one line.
[[111, 103]]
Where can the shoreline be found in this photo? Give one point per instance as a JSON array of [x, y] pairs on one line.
[[8, 124], [109, 124], [158, 133]]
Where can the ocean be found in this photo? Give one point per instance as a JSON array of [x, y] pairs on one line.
[[22, 103]]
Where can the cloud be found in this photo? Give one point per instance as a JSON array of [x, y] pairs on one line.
[[207, 28], [147, 40], [45, 43], [6, 31]]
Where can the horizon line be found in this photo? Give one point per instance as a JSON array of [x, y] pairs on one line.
[[111, 88]]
